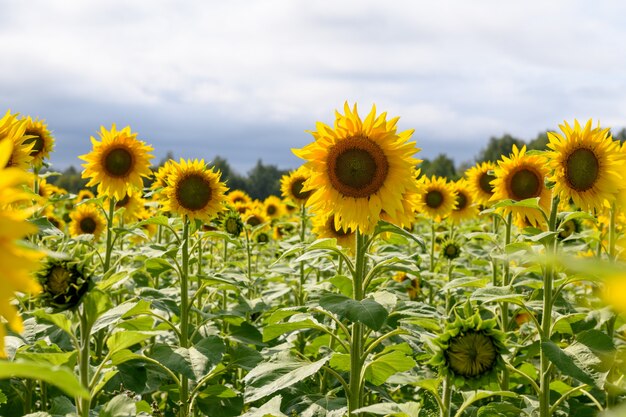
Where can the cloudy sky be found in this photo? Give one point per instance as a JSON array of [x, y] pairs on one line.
[[246, 79]]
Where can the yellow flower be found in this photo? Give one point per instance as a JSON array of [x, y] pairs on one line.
[[17, 261], [479, 180], [36, 133], [465, 208], [437, 198], [291, 186], [587, 165], [133, 205], [326, 227], [12, 130], [87, 219], [85, 195], [358, 168], [255, 215], [519, 177], [614, 292], [273, 207], [194, 191], [413, 289], [117, 163], [235, 197]]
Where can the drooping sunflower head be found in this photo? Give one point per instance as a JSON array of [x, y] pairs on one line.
[[325, 226], [273, 207], [117, 163], [586, 163], [519, 177], [465, 208], [262, 237], [292, 184], [470, 350], [64, 283], [450, 249], [36, 133], [231, 223], [569, 228], [358, 168], [12, 130], [194, 191], [479, 180], [235, 197], [87, 219], [436, 198]]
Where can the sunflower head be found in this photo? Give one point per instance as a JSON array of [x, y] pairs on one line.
[[470, 350], [327, 227], [133, 205], [586, 165], [413, 287], [262, 237], [84, 195], [232, 224], [64, 283], [194, 191], [450, 249], [479, 180], [436, 198], [87, 219], [465, 208], [36, 133], [292, 184], [273, 207], [117, 163], [12, 130], [569, 228], [235, 197], [255, 215], [359, 168]]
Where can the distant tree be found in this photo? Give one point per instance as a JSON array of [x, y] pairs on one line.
[[264, 180], [441, 166], [233, 180], [498, 147], [621, 135], [539, 143], [69, 179]]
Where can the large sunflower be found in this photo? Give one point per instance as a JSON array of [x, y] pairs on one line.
[[587, 165], [194, 191], [479, 180], [87, 219], [117, 163], [36, 133], [436, 198], [325, 226], [12, 130], [17, 261], [465, 208], [519, 177], [358, 168], [291, 186]]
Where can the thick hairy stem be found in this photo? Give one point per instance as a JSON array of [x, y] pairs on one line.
[[184, 316]]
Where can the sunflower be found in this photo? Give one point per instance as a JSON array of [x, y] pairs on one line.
[[587, 165], [518, 177], [36, 133], [194, 191], [273, 207], [406, 218], [413, 289], [359, 168], [479, 180], [465, 208], [235, 197], [255, 215], [87, 220], [56, 221], [450, 249], [469, 350], [64, 283], [149, 229], [232, 224], [18, 262], [133, 205], [47, 190], [85, 195], [327, 227], [436, 198], [117, 163], [12, 129], [569, 228], [291, 186]]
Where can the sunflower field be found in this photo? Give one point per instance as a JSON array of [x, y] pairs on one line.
[[366, 289]]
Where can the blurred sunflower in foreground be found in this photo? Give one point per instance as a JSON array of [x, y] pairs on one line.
[[18, 261]]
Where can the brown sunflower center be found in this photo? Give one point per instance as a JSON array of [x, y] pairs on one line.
[[582, 169], [452, 251], [232, 226], [471, 354], [330, 225], [88, 225], [296, 189], [36, 139], [461, 201], [118, 162], [271, 209], [485, 182], [123, 202], [253, 220], [193, 192], [357, 167], [525, 183], [434, 199], [58, 280]]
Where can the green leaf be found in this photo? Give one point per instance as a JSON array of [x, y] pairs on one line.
[[205, 355], [343, 284], [269, 409], [272, 331], [96, 303], [3, 398], [269, 377], [156, 266], [499, 409], [466, 282], [176, 359], [566, 363], [528, 203], [340, 362], [58, 319], [49, 358], [410, 409], [62, 378], [158, 220], [499, 294], [391, 361], [114, 315], [383, 226], [125, 339], [119, 406], [244, 357], [367, 311]]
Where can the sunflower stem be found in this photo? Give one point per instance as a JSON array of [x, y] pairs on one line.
[[184, 313], [504, 308], [249, 271], [355, 383], [494, 261], [300, 294], [83, 366], [447, 397], [546, 320], [109, 245], [432, 246]]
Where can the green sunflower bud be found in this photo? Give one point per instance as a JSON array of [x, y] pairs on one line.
[[64, 283], [232, 223], [450, 249]]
